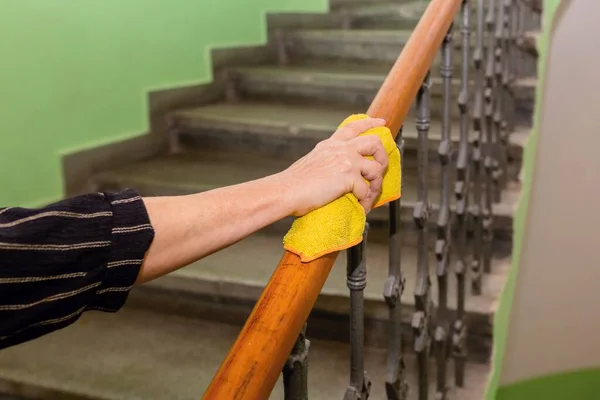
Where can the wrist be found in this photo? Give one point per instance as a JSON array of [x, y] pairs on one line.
[[282, 185]]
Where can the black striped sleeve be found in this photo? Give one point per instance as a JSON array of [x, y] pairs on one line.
[[75, 255]]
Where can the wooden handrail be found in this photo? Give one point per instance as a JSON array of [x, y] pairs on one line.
[[254, 362]]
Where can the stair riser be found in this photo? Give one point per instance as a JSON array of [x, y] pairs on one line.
[[301, 48], [337, 4], [379, 230], [405, 17], [359, 97], [279, 142], [352, 17], [411, 19], [292, 149], [414, 8], [359, 94], [328, 319], [382, 22]]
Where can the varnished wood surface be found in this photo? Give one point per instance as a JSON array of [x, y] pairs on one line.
[[406, 76], [252, 366], [256, 359]]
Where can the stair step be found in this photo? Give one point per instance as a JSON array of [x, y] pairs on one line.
[[405, 15], [290, 130], [197, 172], [143, 355], [388, 15], [343, 83], [375, 15], [413, 8], [369, 45], [365, 45], [241, 271]]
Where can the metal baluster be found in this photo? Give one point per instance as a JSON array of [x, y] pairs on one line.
[[295, 371], [476, 157], [489, 147], [508, 81], [499, 96], [461, 190], [421, 318], [520, 61], [396, 386], [360, 384], [442, 244]]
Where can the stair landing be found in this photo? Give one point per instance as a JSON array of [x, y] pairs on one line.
[[139, 354]]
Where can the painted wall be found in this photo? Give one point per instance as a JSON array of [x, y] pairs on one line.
[[550, 349], [75, 73]]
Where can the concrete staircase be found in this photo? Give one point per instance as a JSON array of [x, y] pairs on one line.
[[267, 107]]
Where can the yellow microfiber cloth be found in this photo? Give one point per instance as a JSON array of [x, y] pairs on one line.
[[339, 225]]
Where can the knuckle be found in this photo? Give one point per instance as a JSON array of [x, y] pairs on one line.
[[343, 161], [323, 144], [346, 165], [376, 139], [344, 130]]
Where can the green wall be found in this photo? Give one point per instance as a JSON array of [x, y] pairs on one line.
[[75, 73]]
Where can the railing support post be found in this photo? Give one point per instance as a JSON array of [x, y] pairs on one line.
[[489, 162], [396, 387], [360, 384], [295, 371], [442, 244], [500, 162], [461, 191], [421, 320], [508, 80], [477, 156]]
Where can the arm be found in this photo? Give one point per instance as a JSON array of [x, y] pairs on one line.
[[189, 228], [87, 252]]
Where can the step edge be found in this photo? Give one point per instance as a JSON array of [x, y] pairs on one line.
[[112, 178], [189, 123], [330, 300]]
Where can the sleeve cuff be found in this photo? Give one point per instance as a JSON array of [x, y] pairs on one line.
[[131, 237]]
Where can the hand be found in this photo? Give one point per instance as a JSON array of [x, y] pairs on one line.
[[337, 166]]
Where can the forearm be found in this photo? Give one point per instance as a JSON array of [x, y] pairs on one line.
[[87, 252], [188, 228]]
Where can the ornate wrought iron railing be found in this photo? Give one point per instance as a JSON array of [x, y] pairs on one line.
[[274, 340]]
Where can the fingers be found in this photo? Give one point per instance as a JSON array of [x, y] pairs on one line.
[[353, 129], [375, 179], [361, 191], [373, 172], [371, 145], [366, 192], [370, 170]]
